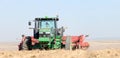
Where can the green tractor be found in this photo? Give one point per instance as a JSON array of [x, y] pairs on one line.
[[46, 35]]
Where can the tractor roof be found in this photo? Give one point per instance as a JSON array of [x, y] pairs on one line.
[[47, 19]]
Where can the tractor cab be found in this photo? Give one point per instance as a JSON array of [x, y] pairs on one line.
[[44, 27]]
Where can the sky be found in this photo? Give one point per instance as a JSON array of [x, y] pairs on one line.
[[99, 19]]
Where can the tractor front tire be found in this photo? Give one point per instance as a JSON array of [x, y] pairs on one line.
[[27, 45]]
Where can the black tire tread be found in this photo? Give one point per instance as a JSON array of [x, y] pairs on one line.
[[27, 44]]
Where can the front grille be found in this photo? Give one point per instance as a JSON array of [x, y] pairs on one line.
[[44, 35]]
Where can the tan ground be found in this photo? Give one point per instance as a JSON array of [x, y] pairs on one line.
[[96, 50]]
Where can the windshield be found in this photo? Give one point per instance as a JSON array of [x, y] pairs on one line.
[[47, 24]]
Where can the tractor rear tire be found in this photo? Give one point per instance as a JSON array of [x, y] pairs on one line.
[[67, 45], [27, 45]]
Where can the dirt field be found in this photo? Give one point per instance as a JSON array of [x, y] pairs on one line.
[[96, 50]]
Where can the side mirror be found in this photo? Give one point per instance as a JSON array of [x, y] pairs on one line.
[[86, 35], [29, 23]]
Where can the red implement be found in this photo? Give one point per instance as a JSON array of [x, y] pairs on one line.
[[76, 41]]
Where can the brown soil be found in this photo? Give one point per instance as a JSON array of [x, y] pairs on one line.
[[96, 50]]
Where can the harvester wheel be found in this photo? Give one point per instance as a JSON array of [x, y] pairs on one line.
[[27, 44], [68, 45]]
